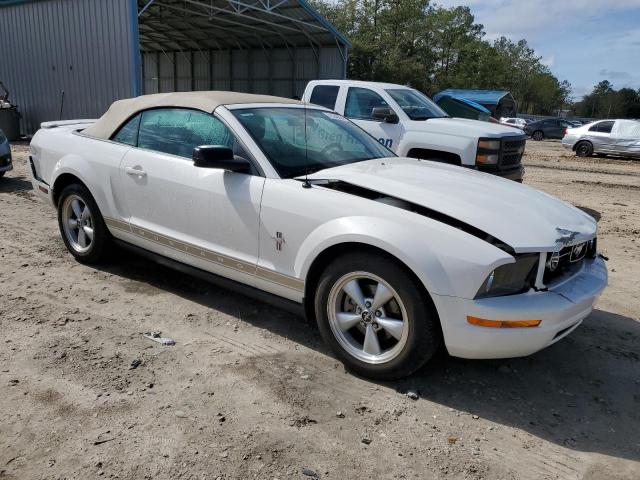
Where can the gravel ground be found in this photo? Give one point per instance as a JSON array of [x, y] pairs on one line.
[[250, 391]]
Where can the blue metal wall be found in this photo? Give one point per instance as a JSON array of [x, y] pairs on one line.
[[88, 49]]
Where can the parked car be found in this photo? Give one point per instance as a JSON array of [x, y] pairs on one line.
[[409, 123], [548, 128], [614, 137], [6, 163], [514, 122], [298, 205]]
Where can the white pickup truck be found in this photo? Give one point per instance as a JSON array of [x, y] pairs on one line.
[[409, 123]]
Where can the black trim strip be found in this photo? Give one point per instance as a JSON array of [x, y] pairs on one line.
[[223, 282], [364, 192]]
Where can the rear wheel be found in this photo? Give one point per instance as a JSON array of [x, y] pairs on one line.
[[537, 135], [81, 225], [584, 149], [375, 317]]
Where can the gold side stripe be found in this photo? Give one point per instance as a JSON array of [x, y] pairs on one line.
[[208, 255]]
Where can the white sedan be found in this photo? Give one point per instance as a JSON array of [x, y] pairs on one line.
[[394, 257]]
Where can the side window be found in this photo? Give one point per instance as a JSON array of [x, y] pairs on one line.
[[594, 127], [325, 95], [128, 133], [361, 102], [605, 127], [178, 131]]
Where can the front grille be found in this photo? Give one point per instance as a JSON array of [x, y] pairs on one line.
[[570, 260], [511, 152]]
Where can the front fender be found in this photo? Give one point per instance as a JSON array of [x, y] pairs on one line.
[[446, 260]]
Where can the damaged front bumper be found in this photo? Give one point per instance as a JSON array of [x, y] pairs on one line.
[[560, 310]]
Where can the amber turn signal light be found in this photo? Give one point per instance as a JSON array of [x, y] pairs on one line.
[[481, 322]]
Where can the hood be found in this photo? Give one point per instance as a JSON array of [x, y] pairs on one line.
[[464, 125], [526, 219]]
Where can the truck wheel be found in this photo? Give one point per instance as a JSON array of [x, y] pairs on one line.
[[537, 135], [375, 318], [81, 225], [584, 149]]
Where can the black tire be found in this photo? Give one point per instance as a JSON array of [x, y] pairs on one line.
[[537, 135], [424, 335], [584, 149], [2, 174], [101, 244]]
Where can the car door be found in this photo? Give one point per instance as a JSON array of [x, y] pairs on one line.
[[599, 134], [359, 105], [553, 129], [202, 216]]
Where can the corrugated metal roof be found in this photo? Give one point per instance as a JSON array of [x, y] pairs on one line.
[[490, 97], [167, 25]]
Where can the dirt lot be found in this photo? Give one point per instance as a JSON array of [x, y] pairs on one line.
[[250, 391]]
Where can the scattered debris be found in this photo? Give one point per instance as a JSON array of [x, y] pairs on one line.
[[309, 473], [339, 414], [13, 382], [302, 422], [452, 440], [135, 364], [366, 440], [180, 414], [156, 337], [475, 417], [100, 442], [413, 395]]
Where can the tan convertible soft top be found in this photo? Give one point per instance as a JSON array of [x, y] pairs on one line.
[[121, 110]]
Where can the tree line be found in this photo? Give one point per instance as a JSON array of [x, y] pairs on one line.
[[430, 47], [606, 102]]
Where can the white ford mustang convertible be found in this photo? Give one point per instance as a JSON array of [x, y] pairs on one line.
[[394, 257]]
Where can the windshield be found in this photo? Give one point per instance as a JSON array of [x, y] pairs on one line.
[[416, 105], [331, 140]]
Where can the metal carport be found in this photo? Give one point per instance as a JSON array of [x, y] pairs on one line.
[[72, 58]]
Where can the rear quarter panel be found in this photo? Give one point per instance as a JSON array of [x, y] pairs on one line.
[[96, 163]]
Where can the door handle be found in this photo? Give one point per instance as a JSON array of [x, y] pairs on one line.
[[136, 172]]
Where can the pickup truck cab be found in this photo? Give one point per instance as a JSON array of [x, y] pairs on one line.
[[409, 123]]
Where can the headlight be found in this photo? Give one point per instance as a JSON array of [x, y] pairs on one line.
[[488, 152], [512, 278], [487, 159], [489, 144]]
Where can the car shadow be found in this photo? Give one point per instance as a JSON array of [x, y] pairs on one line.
[[10, 184], [582, 393]]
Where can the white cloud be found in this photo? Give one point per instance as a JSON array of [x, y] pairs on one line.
[[533, 19]]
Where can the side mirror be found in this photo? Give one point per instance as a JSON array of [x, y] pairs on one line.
[[219, 156], [384, 114]]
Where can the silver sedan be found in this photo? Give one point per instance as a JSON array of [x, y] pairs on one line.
[[612, 137]]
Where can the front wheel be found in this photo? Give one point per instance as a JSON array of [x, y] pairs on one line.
[[537, 135], [81, 225], [379, 322], [584, 149]]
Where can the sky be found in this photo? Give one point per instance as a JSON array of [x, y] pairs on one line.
[[582, 41]]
